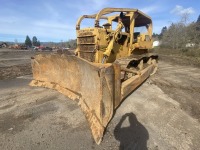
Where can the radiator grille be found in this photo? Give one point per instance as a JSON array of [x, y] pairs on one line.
[[88, 56], [86, 40], [86, 48]]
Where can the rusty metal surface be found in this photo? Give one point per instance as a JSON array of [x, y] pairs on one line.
[[91, 84], [129, 85], [106, 44], [97, 87], [100, 88]]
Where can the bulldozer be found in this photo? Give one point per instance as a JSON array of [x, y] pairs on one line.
[[111, 60]]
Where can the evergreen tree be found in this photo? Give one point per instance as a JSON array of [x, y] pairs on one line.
[[34, 41], [164, 29], [38, 43], [198, 20], [28, 41]]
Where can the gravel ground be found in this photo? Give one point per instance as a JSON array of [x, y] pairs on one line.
[[163, 113]]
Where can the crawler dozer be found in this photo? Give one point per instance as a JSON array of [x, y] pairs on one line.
[[110, 61]]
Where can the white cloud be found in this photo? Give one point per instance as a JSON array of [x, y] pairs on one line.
[[53, 24], [51, 10], [89, 7], [50, 20], [180, 10], [43, 29], [57, 20], [8, 19], [150, 9]]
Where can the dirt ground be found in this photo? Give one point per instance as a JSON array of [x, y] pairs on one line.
[[163, 113]]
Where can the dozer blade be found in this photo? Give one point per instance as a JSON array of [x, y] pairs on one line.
[[97, 87], [93, 85]]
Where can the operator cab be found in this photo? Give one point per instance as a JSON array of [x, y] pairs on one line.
[[93, 42]]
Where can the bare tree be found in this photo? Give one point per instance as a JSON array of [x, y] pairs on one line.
[[193, 31], [185, 18], [177, 35], [16, 41], [174, 36]]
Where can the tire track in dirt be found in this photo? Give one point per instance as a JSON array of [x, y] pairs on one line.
[[182, 83]]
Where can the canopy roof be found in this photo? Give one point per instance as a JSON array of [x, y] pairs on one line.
[[140, 20]]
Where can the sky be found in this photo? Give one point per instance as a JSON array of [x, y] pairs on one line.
[[55, 20]]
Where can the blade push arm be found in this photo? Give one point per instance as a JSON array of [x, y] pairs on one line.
[[106, 54]]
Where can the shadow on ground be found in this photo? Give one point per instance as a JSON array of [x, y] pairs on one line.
[[133, 137]]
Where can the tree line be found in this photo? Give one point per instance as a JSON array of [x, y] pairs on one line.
[[71, 44], [34, 42], [181, 34]]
